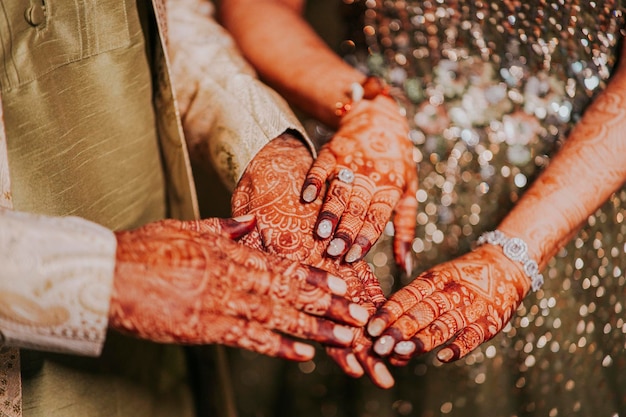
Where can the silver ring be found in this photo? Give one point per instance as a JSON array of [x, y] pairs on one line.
[[345, 175]]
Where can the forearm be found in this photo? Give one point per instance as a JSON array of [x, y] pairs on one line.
[[582, 176], [289, 55], [228, 115]]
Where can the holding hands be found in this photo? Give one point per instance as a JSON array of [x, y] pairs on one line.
[[190, 283], [270, 189]]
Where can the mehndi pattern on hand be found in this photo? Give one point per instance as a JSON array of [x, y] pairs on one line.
[[270, 189]]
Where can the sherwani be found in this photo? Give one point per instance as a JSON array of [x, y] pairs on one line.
[[97, 126]]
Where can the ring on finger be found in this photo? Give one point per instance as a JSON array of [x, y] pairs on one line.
[[345, 175]]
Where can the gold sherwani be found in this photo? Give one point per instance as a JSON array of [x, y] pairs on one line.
[[93, 132]]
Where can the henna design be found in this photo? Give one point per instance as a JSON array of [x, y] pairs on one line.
[[189, 283], [372, 141], [276, 205], [474, 296], [581, 177]]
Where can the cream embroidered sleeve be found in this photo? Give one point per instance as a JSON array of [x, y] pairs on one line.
[[228, 115], [55, 284]]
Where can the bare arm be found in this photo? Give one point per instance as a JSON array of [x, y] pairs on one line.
[[458, 300], [289, 55], [590, 166]]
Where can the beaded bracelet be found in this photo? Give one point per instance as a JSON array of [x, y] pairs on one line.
[[368, 90], [515, 249]]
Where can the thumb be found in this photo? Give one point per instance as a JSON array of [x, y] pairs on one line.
[[233, 228]]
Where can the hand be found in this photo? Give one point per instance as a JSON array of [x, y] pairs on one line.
[[466, 302], [372, 142], [190, 283], [269, 189]]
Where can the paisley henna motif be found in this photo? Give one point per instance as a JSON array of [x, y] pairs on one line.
[[269, 189], [190, 283]]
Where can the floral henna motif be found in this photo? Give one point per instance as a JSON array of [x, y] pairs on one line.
[[465, 301], [372, 141], [269, 190], [190, 283]]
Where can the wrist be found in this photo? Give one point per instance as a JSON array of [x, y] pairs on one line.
[[516, 250]]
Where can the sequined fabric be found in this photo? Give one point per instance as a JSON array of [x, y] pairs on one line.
[[494, 88]]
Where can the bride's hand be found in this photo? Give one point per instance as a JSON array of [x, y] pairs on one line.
[[269, 189], [461, 303], [369, 165]]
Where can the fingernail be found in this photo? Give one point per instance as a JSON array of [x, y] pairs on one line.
[[383, 376], [336, 247], [384, 345], [310, 193], [244, 219], [343, 334], [376, 327], [406, 347], [337, 285], [354, 253], [445, 354], [306, 351], [354, 364], [324, 229], [408, 264], [358, 312]]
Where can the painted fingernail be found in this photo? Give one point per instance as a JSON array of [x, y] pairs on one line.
[[376, 327], [343, 334], [336, 247], [359, 313], [406, 347], [337, 285], [306, 351], [383, 376], [445, 354], [408, 264], [324, 229], [244, 219], [310, 193], [354, 253], [354, 364], [384, 345]]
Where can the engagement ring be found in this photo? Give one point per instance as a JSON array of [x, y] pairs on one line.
[[345, 175]]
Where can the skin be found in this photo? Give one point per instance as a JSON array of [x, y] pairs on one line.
[[304, 70], [458, 297], [269, 189], [191, 283], [476, 294]]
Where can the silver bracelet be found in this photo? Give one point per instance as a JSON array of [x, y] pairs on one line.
[[515, 249]]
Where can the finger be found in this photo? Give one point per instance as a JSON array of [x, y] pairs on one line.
[[282, 318], [252, 336], [468, 339], [335, 204], [304, 288], [232, 228], [315, 179], [404, 222], [370, 283], [416, 319], [439, 332], [373, 366], [347, 361], [253, 240], [353, 217], [402, 301], [378, 214]]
